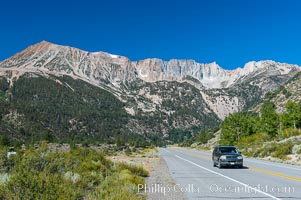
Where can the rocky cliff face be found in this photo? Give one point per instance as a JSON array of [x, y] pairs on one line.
[[290, 91], [210, 75], [221, 91], [99, 69]]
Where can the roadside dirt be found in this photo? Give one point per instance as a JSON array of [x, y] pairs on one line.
[[159, 175]]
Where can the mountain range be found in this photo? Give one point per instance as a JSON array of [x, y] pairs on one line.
[[148, 99]]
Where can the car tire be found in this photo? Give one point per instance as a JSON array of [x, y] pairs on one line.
[[219, 164], [240, 166]]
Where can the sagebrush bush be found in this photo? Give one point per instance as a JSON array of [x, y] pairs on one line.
[[282, 150], [289, 133], [80, 173], [121, 185], [135, 169], [273, 149]]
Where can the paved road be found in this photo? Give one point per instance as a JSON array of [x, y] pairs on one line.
[[194, 173]]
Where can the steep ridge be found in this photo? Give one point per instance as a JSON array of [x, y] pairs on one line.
[[159, 97], [47, 58], [101, 67]]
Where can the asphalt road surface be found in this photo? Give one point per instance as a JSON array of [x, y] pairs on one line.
[[195, 175]]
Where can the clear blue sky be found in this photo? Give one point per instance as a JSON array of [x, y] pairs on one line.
[[230, 32]]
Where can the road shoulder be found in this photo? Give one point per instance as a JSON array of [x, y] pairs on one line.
[[159, 179]]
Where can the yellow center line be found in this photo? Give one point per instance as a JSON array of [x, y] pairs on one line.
[[275, 174]]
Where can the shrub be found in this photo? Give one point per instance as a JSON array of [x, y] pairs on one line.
[[283, 150], [118, 186], [135, 169], [80, 173], [289, 133], [275, 150]]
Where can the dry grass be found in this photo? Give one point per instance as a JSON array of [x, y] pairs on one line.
[[144, 158]]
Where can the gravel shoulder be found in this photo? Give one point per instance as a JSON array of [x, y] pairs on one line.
[[160, 181]]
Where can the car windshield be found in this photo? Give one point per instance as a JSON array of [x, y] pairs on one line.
[[228, 150]]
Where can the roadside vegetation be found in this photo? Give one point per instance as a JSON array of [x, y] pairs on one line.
[[80, 173], [265, 134]]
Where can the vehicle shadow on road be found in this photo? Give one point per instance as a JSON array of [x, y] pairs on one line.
[[244, 167]]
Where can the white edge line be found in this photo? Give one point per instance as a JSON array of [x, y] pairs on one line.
[[236, 181]]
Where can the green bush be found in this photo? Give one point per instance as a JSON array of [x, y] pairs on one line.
[[118, 186], [135, 169], [289, 133], [255, 139], [80, 173], [275, 150], [282, 150]]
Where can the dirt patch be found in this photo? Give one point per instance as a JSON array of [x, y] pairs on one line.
[[145, 159], [159, 175]]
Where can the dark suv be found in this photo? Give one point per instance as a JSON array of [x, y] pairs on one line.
[[226, 156]]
